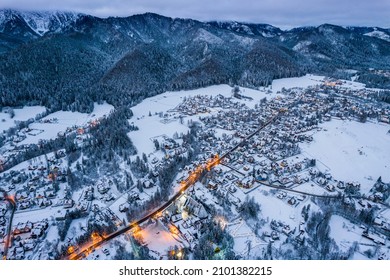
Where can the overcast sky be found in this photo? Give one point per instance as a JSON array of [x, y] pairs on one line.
[[281, 13]]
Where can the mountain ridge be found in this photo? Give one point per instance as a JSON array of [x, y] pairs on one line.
[[68, 61], [39, 22], [239, 26]]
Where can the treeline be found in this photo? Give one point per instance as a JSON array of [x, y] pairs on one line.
[[57, 72], [376, 81], [70, 71], [110, 137], [107, 139], [384, 95], [166, 175], [214, 243]]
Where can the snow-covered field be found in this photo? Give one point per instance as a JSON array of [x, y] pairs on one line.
[[298, 82], [386, 214], [65, 119], [283, 211], [352, 151], [24, 114], [352, 85], [244, 238], [345, 233], [313, 188], [158, 238], [36, 215]]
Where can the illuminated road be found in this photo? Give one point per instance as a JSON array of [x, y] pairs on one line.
[[11, 201], [85, 249], [185, 185], [252, 134]]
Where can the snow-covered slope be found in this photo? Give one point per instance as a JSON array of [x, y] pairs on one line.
[[379, 34], [43, 22], [39, 22], [264, 30]]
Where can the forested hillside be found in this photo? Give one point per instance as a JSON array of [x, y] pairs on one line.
[[71, 60]]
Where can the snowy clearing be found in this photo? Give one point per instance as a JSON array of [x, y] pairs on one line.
[[353, 151], [158, 238], [24, 114], [345, 233], [65, 119], [299, 82]]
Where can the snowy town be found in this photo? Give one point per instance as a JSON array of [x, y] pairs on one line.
[[296, 170]]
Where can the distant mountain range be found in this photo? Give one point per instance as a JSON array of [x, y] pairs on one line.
[[67, 60]]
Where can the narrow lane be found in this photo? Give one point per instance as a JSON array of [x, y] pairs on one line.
[[296, 191]]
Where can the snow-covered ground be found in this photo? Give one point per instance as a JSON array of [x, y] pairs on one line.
[[244, 238], [24, 114], [310, 80], [283, 212], [298, 82], [352, 151], [313, 188], [352, 85], [35, 215], [65, 119], [345, 233], [158, 238], [378, 34], [385, 214]]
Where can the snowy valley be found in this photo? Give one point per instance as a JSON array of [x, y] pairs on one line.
[[298, 169]]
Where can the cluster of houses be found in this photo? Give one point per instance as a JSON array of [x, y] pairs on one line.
[[34, 186], [273, 156], [203, 103], [12, 146], [185, 218], [265, 154], [25, 237], [383, 223], [3, 223], [104, 189], [279, 228], [348, 103], [376, 238]]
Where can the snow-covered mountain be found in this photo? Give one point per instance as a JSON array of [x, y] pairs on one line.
[[13, 22], [264, 30], [61, 58]]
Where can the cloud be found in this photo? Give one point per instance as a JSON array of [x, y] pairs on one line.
[[283, 13]]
